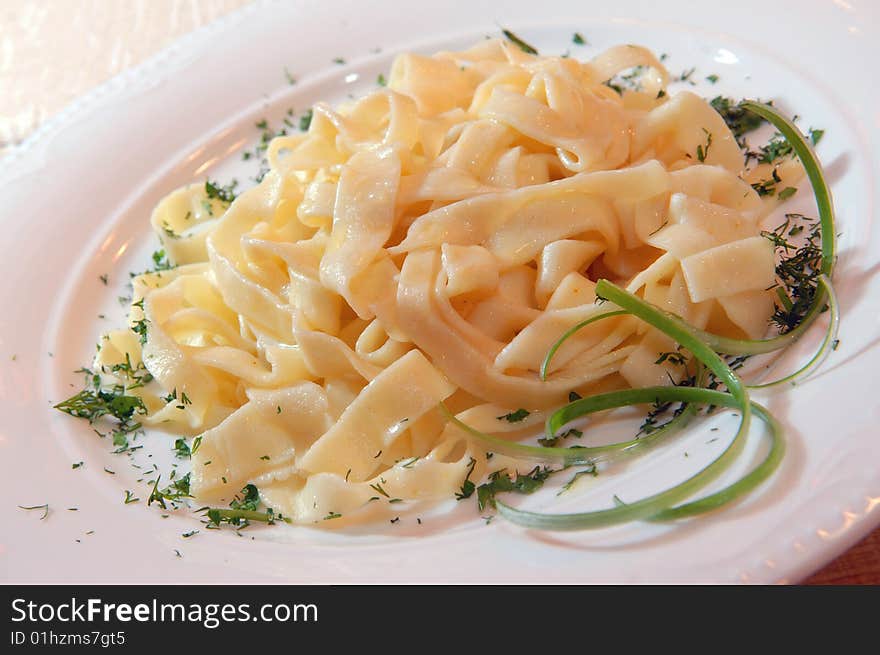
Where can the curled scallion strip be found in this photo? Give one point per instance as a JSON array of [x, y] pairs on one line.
[[545, 365], [661, 506], [576, 455], [646, 508]]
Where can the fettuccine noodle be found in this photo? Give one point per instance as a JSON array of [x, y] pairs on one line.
[[429, 243]]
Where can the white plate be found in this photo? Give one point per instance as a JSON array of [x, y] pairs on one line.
[[75, 202]]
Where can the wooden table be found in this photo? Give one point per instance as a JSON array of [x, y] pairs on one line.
[[47, 63]]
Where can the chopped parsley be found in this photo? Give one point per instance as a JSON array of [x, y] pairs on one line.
[[267, 133], [514, 417], [630, 81], [169, 231], [739, 120], [797, 270], [215, 191], [686, 76], [176, 491], [787, 193], [137, 375], [675, 357], [500, 481], [160, 262], [550, 442], [120, 439], [568, 485], [305, 121], [522, 45], [578, 39], [702, 152], [712, 78], [467, 487], [767, 187], [779, 148], [378, 487], [381, 81], [95, 402], [250, 499], [651, 423], [614, 87], [76, 465], [130, 497], [139, 327]]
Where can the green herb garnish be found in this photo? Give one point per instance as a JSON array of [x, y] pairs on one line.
[[305, 121], [250, 499], [522, 45], [514, 417], [215, 191], [467, 487], [44, 507], [501, 481], [568, 485], [787, 193], [702, 152], [738, 118], [176, 491]]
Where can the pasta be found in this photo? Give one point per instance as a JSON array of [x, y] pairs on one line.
[[429, 243]]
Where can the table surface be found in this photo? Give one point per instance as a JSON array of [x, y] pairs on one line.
[[53, 52]]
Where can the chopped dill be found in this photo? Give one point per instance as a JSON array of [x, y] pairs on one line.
[[797, 270], [522, 45], [467, 487], [501, 481]]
